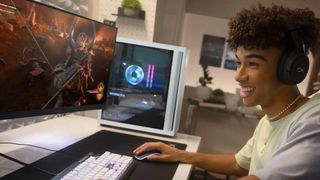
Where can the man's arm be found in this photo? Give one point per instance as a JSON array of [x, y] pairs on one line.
[[219, 163], [224, 164]]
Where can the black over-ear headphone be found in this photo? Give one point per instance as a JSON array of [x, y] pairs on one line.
[[294, 63]]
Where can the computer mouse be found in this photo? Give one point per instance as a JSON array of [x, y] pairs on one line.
[[146, 154]]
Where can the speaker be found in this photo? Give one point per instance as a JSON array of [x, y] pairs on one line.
[[294, 63]]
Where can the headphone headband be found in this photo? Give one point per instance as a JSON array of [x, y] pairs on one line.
[[297, 41]]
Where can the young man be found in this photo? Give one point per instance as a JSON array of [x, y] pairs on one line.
[[271, 45]]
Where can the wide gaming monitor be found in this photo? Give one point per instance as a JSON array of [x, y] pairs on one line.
[[146, 86], [51, 61]]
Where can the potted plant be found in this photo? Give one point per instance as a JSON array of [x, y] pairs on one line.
[[217, 96], [203, 91], [131, 8], [206, 79]]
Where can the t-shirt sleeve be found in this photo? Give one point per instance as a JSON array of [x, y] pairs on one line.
[[299, 156], [243, 157]]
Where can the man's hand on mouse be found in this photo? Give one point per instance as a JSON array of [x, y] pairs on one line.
[[168, 153]]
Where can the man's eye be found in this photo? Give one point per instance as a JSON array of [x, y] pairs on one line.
[[253, 64]]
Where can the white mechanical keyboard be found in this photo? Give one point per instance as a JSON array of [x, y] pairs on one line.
[[107, 166]]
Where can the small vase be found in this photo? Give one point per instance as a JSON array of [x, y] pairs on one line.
[[203, 92], [130, 12]]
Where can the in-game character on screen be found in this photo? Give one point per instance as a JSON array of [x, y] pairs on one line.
[[73, 74]]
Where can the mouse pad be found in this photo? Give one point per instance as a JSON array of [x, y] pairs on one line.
[[98, 143]]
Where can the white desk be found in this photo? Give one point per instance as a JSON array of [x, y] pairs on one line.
[[195, 103], [64, 131]]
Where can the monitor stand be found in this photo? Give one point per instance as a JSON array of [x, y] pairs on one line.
[[9, 124]]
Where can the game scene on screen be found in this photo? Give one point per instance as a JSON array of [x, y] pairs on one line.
[[50, 58], [138, 85]]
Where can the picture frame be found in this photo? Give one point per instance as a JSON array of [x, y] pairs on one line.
[[212, 50], [230, 60]]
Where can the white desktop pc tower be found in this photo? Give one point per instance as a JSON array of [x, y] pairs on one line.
[[146, 86]]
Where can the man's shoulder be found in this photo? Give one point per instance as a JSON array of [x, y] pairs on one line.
[[316, 95], [310, 107], [308, 115]]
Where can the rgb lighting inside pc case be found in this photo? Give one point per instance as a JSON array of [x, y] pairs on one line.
[[51, 61], [145, 87]]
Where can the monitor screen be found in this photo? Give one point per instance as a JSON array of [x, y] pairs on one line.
[[144, 84], [51, 61]]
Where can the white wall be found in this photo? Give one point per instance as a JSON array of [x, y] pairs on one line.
[[194, 27], [127, 27]]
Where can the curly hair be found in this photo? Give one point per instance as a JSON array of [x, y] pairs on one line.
[[263, 27]]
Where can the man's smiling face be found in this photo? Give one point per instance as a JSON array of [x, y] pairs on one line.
[[257, 75]]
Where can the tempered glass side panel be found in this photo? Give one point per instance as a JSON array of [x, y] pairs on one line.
[[138, 85], [143, 87]]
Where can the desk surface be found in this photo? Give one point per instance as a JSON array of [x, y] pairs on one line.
[[61, 132]]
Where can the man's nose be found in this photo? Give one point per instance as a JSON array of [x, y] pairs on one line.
[[241, 74]]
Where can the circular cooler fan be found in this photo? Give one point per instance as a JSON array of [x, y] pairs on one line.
[[134, 74]]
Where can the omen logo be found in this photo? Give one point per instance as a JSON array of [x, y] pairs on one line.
[[300, 70]]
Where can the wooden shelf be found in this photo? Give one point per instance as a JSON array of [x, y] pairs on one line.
[[139, 14]]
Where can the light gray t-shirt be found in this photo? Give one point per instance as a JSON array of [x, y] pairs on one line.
[[285, 149]]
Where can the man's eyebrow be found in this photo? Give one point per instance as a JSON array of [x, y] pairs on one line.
[[254, 56]]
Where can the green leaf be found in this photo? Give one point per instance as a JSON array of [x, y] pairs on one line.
[[133, 4]]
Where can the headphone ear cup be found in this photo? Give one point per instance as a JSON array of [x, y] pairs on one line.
[[292, 67]]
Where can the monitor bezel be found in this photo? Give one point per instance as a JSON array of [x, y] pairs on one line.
[[59, 110], [175, 90]]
